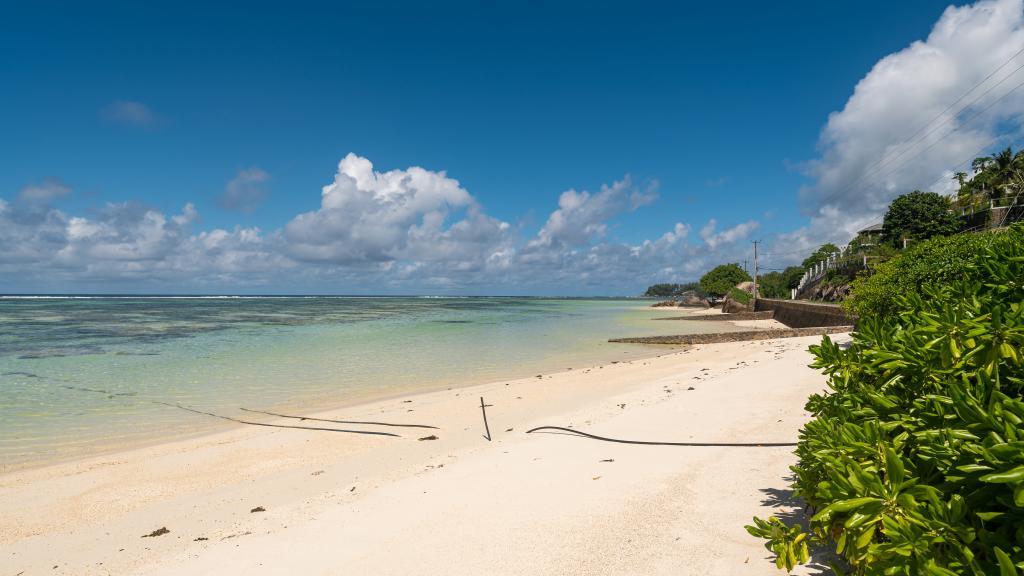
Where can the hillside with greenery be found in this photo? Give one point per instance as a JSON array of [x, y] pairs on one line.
[[938, 261], [911, 219], [996, 178]]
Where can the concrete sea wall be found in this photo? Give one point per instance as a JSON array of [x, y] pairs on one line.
[[803, 314]]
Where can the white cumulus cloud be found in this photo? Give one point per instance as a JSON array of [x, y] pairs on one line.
[[367, 216], [403, 230]]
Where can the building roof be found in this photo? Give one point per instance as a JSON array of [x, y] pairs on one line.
[[880, 227]]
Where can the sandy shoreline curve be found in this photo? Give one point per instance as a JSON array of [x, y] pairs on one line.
[[328, 503]]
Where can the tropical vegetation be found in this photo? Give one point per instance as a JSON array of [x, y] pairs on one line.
[[919, 216], [995, 177], [913, 461]]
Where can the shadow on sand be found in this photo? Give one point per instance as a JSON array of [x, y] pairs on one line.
[[792, 510]]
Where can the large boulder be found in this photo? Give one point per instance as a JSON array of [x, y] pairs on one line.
[[831, 292], [731, 304], [693, 300], [664, 303]]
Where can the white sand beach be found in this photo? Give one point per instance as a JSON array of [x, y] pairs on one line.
[[541, 503]]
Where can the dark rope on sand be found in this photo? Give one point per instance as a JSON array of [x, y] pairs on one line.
[[341, 421], [274, 425], [222, 417], [648, 443]]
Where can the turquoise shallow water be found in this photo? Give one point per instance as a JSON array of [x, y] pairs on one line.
[[78, 375]]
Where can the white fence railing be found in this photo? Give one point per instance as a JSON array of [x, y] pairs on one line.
[[843, 258]]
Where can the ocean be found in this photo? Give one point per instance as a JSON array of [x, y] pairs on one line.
[[84, 375]]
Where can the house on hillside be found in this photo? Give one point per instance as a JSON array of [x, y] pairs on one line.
[[872, 234]]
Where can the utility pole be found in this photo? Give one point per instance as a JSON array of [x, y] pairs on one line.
[[755, 272]]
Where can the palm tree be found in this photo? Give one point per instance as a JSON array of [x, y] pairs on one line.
[[960, 177], [1002, 168], [980, 164], [964, 192]]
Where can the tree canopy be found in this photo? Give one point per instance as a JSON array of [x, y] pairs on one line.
[[663, 290], [772, 285], [919, 216], [721, 278], [820, 255], [778, 284], [792, 275]]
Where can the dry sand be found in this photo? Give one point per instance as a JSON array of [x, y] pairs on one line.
[[766, 324], [522, 504]]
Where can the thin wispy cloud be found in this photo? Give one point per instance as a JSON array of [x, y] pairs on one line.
[[715, 238], [43, 192], [246, 191], [130, 113]]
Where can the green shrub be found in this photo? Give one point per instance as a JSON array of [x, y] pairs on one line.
[[913, 462], [740, 296], [938, 261]]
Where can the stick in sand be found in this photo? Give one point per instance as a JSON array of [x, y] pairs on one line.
[[483, 409]]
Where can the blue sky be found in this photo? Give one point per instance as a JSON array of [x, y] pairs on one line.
[[119, 114]]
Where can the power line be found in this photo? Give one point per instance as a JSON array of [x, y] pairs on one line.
[[975, 115], [947, 120], [972, 89], [971, 158], [885, 160]]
